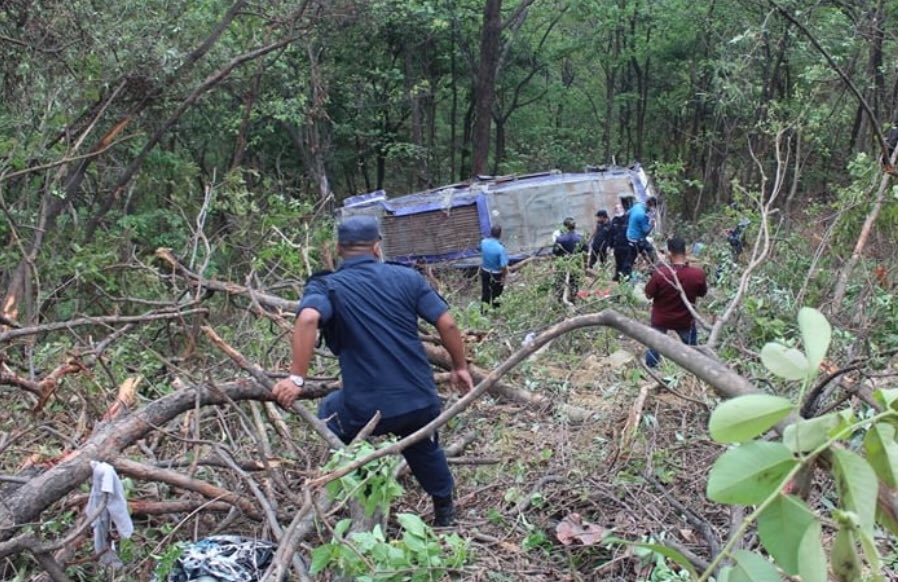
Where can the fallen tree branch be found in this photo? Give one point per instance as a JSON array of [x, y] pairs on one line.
[[103, 320], [262, 378], [180, 480], [437, 355], [25, 504], [265, 299], [725, 381]]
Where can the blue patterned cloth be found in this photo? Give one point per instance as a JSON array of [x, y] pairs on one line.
[[222, 559]]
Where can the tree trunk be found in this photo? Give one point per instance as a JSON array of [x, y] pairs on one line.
[[315, 135], [466, 138], [453, 108], [500, 143], [249, 101], [486, 84]]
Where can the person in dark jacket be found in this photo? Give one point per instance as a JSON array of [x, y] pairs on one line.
[[375, 308], [567, 242], [623, 261], [666, 288], [601, 239]]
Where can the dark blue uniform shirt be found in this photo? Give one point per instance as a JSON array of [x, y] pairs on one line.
[[382, 361]]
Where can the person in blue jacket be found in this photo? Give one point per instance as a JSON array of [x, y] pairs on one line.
[[368, 312], [493, 268], [640, 226]]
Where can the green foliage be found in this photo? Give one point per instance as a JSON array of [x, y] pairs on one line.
[[882, 452], [857, 487], [744, 418], [418, 555], [372, 485], [756, 472], [750, 473], [661, 552], [166, 560], [804, 436], [782, 526], [749, 567], [791, 363]]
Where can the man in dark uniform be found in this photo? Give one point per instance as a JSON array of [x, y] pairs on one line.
[[623, 263], [372, 308], [567, 242], [601, 239]]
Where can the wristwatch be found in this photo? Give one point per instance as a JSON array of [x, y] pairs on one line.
[[297, 380]]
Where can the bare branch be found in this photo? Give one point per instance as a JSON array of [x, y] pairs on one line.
[[102, 320]]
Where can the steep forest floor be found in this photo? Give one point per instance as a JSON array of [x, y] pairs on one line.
[[601, 447]]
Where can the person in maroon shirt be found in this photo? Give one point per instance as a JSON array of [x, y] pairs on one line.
[[669, 312]]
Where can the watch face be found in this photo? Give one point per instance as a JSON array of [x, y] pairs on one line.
[[298, 380]]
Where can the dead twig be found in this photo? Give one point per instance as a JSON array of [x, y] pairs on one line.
[[103, 320]]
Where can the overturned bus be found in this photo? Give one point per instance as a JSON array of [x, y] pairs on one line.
[[447, 223]]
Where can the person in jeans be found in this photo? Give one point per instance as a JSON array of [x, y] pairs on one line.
[[567, 242], [667, 287], [623, 264], [601, 240], [640, 226], [368, 314], [493, 268]]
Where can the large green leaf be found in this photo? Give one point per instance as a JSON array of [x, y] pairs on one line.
[[787, 363], [816, 334], [749, 473], [857, 486], [751, 567], [882, 452], [724, 574], [887, 397], [745, 417], [872, 554], [412, 524], [806, 435], [811, 557], [781, 527], [846, 566]]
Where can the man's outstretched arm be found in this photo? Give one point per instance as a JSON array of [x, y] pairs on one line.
[[452, 341], [305, 331]]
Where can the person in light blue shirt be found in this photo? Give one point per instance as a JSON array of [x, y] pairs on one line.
[[640, 225], [493, 267]]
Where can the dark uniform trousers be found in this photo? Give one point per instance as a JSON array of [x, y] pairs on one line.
[[425, 458]]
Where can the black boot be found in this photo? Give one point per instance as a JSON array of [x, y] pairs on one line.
[[443, 511]]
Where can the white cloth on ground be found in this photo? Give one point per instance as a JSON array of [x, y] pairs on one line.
[[107, 486]]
